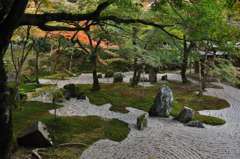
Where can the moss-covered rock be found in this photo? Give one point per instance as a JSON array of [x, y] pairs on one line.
[[142, 121]]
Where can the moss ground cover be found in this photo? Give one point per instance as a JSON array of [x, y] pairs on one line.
[[122, 96]]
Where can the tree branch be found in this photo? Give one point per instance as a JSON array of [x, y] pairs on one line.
[[42, 19]]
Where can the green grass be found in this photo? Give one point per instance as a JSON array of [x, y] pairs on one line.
[[27, 87], [85, 130], [122, 96], [210, 120]]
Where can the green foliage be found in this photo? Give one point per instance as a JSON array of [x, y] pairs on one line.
[[42, 45], [225, 71]]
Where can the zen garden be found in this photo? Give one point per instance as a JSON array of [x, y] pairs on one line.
[[119, 79]]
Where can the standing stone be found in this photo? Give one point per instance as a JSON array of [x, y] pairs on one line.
[[163, 103], [185, 115], [142, 122], [35, 136]]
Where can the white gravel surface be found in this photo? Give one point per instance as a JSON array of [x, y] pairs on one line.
[[164, 138]]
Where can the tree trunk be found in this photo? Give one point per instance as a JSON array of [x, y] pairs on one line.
[[5, 110], [152, 75], [37, 68], [203, 74], [184, 61], [196, 67], [200, 79], [18, 82], [136, 75], [96, 85], [7, 24], [70, 63]]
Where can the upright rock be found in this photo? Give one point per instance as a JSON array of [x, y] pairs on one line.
[[142, 122], [163, 103], [35, 136], [185, 115]]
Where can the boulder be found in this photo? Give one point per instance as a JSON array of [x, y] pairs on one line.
[[164, 77], [195, 123], [99, 75], [109, 74], [185, 115], [118, 77], [35, 136], [163, 103], [142, 122], [71, 91]]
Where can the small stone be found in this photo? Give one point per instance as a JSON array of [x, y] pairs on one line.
[[35, 136], [185, 115], [195, 123], [163, 103], [142, 122]]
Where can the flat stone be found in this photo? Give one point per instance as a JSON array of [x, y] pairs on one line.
[[195, 123]]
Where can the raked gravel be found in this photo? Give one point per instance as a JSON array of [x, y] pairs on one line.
[[163, 138]]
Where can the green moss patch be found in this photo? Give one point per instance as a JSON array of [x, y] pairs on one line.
[[86, 130], [122, 96]]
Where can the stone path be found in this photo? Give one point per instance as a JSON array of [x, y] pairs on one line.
[[166, 138]]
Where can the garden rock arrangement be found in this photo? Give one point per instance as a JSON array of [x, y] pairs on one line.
[[185, 115], [164, 136], [163, 103], [35, 136]]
